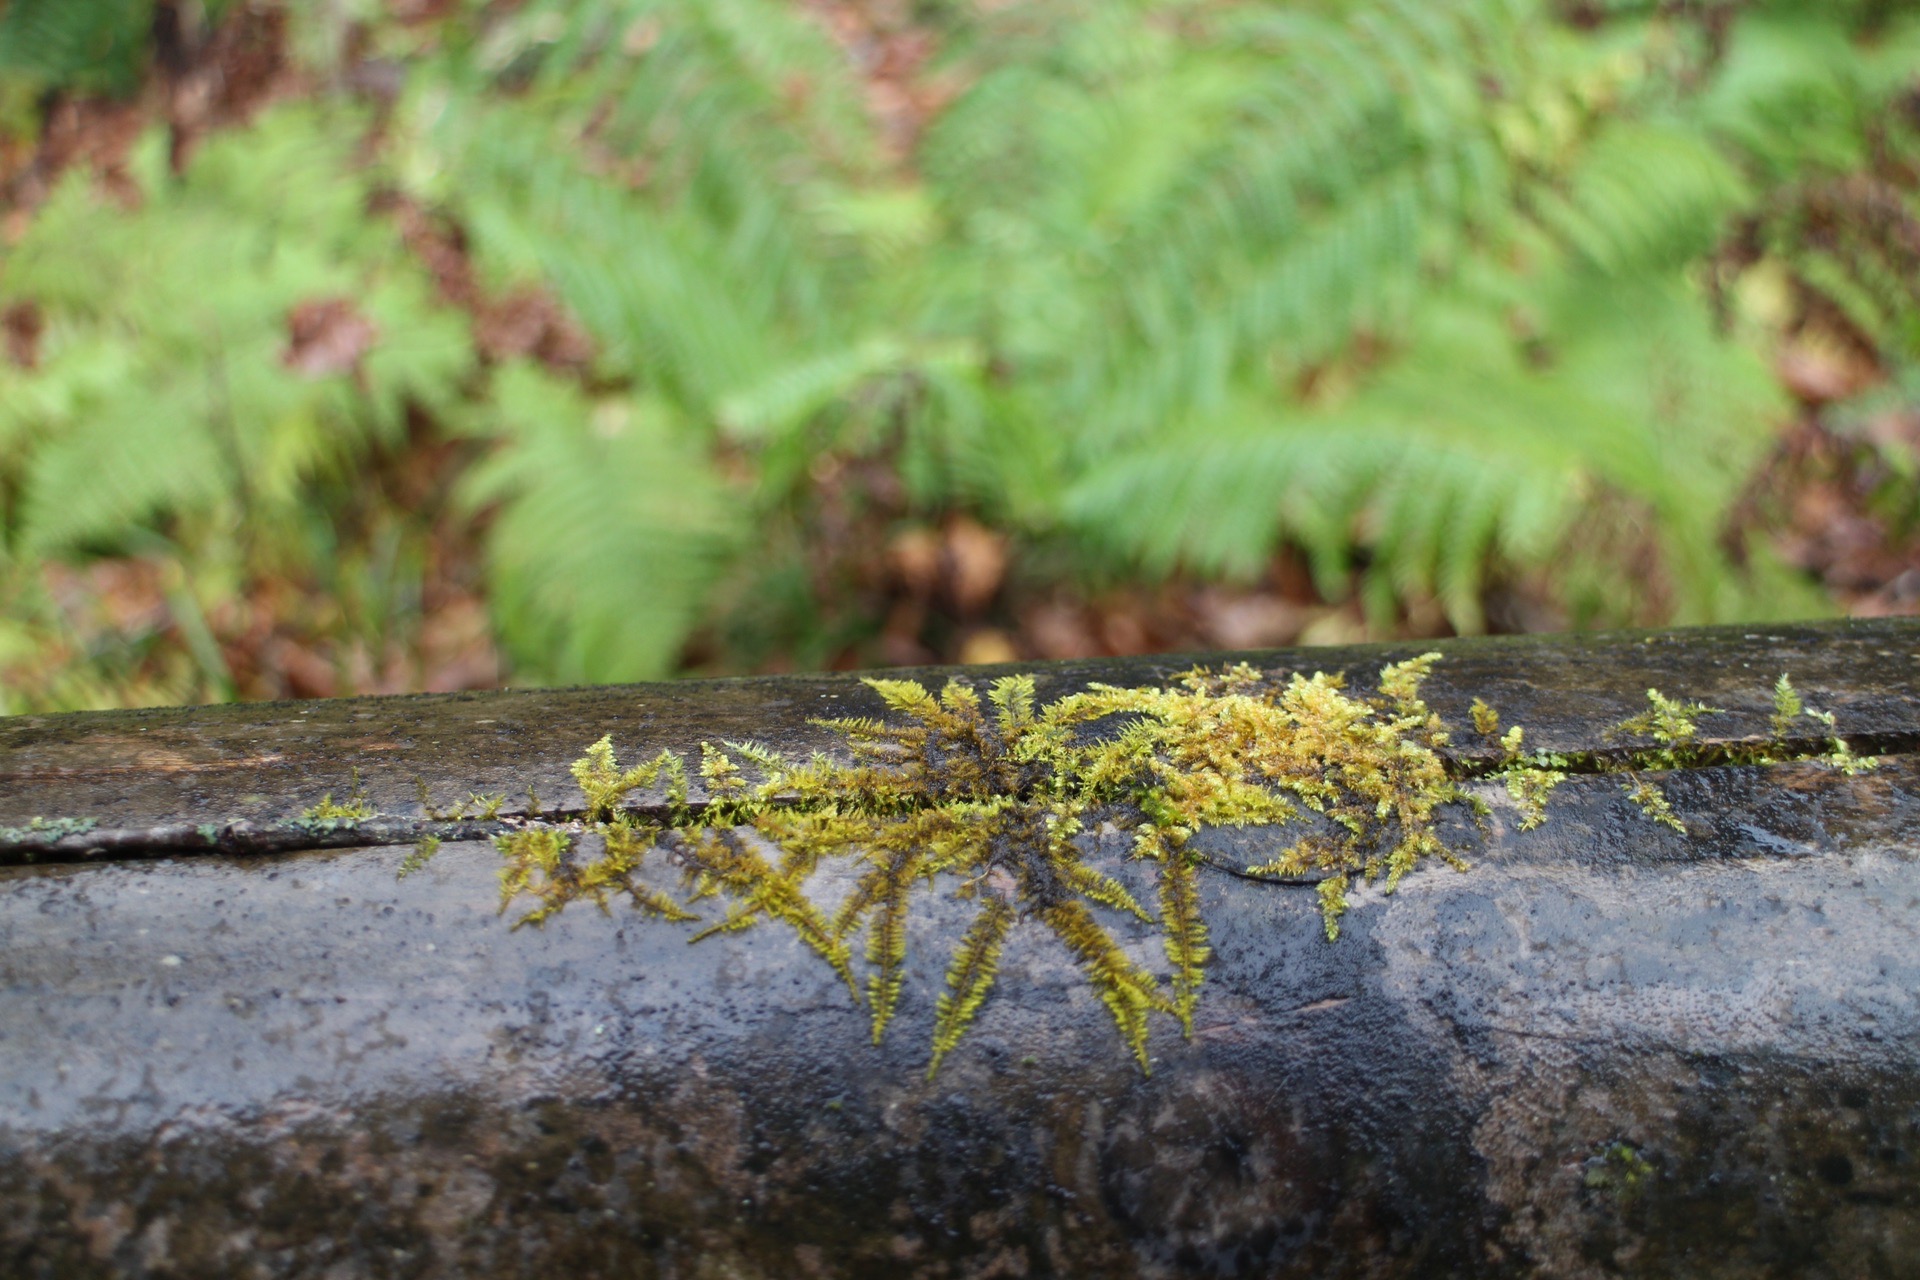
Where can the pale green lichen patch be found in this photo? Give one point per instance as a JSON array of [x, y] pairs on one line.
[[42, 830]]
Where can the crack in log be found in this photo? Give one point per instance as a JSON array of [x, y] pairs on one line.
[[25, 847]]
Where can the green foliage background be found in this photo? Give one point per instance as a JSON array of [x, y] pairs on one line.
[[1439, 293]]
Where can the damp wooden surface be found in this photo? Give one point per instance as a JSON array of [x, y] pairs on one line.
[[181, 768], [1607, 1048]]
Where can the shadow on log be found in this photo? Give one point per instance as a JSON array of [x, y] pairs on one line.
[[1607, 1048]]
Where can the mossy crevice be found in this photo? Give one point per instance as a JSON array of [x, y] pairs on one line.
[[988, 797], [329, 814]]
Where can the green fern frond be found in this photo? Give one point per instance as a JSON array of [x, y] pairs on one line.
[[186, 303], [90, 45], [610, 525]]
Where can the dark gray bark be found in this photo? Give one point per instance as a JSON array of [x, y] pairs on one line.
[[1606, 1048]]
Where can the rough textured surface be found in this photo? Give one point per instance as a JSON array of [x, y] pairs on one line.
[[1606, 1049]]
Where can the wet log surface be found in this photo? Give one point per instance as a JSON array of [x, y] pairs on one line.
[[1607, 1048]]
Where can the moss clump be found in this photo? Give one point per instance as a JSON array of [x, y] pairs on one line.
[[1621, 1171], [987, 797], [990, 794], [329, 813]]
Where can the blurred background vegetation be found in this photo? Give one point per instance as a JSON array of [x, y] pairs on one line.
[[376, 345]]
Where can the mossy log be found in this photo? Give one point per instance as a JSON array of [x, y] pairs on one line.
[[233, 1042]]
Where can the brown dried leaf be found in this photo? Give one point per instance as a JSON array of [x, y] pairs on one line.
[[327, 336]]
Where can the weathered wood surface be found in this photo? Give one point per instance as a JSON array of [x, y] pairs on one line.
[[1605, 1049]]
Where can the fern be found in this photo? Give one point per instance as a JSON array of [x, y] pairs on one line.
[[89, 45], [166, 390], [657, 171], [1181, 240], [608, 527], [1446, 295]]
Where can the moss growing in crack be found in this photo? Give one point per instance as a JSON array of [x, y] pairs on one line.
[[1838, 753], [1671, 723], [328, 814], [328, 810], [990, 794], [1529, 779], [1674, 727], [423, 851], [484, 807]]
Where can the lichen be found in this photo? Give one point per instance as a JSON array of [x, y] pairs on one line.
[[46, 830]]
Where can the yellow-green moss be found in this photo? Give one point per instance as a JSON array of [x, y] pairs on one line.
[[1673, 725], [1620, 1170], [328, 812], [992, 793], [423, 851], [989, 796]]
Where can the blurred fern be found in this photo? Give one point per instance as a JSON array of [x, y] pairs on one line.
[[90, 45], [1412, 286], [1443, 294], [609, 531], [165, 385]]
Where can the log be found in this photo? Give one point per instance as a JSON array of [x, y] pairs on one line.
[[234, 1042]]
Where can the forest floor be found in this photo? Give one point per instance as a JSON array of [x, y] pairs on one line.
[[1834, 503]]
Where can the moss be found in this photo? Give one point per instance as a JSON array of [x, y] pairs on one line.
[[1786, 706], [988, 795], [1485, 718], [1673, 726], [1671, 723], [328, 813], [485, 807], [1621, 1171], [423, 851], [1529, 779], [1652, 801]]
